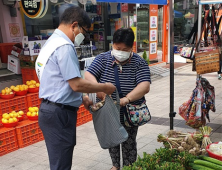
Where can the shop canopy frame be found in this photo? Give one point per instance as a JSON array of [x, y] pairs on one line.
[[172, 114], [202, 2]]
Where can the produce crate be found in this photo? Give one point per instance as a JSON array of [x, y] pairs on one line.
[[28, 133], [27, 61], [29, 74], [17, 103], [33, 100], [8, 140], [82, 112], [83, 116], [5, 50], [84, 119]]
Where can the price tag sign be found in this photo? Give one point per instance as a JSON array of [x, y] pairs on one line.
[[153, 35], [153, 47], [153, 22]]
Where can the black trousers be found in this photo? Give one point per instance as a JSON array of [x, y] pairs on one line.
[[129, 149], [59, 129]]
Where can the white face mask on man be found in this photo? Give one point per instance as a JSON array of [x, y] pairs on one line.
[[121, 55], [78, 38]]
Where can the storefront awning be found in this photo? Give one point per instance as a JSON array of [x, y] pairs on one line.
[[157, 2], [210, 1]]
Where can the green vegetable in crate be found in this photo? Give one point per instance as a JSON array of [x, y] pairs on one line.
[[200, 167], [209, 159], [208, 164], [206, 130], [170, 166]]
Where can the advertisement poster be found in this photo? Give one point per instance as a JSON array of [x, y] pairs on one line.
[[153, 22], [153, 47], [153, 35], [14, 30], [153, 32]]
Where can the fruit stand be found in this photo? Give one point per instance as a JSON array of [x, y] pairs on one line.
[[19, 107]]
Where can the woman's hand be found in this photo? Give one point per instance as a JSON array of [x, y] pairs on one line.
[[87, 102], [124, 101], [101, 95]]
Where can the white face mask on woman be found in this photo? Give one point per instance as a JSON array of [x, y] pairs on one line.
[[121, 55], [79, 38]]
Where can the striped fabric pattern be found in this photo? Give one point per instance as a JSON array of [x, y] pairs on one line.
[[133, 73]]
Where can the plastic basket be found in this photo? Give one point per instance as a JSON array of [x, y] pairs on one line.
[[21, 93], [211, 154], [29, 74], [28, 133], [16, 104], [84, 119], [10, 125], [33, 100], [8, 140], [9, 96], [5, 50]]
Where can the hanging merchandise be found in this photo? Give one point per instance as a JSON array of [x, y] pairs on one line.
[[207, 60], [196, 109]]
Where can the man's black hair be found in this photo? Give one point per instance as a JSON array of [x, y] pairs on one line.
[[75, 14], [124, 35]]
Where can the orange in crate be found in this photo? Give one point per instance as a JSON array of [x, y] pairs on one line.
[[33, 100], [16, 104], [29, 74], [8, 140], [28, 132]]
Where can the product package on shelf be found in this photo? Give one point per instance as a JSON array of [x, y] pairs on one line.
[[14, 64], [32, 45]]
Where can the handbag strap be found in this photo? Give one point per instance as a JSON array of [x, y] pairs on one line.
[[203, 29], [120, 92]]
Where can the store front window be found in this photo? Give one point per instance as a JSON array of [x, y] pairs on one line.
[[185, 18]]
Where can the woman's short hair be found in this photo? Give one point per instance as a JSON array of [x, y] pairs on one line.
[[124, 35], [75, 14]]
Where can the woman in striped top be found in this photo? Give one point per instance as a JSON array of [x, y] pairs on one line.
[[134, 78]]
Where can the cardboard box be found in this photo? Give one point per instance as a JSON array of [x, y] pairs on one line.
[[35, 47], [27, 61], [32, 47], [16, 51], [14, 64]]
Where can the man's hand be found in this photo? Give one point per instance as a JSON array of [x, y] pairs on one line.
[[124, 101], [101, 95], [109, 88], [87, 102]]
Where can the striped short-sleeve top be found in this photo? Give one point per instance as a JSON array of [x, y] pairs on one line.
[[132, 73]]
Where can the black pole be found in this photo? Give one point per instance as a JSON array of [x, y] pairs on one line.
[[171, 20]]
